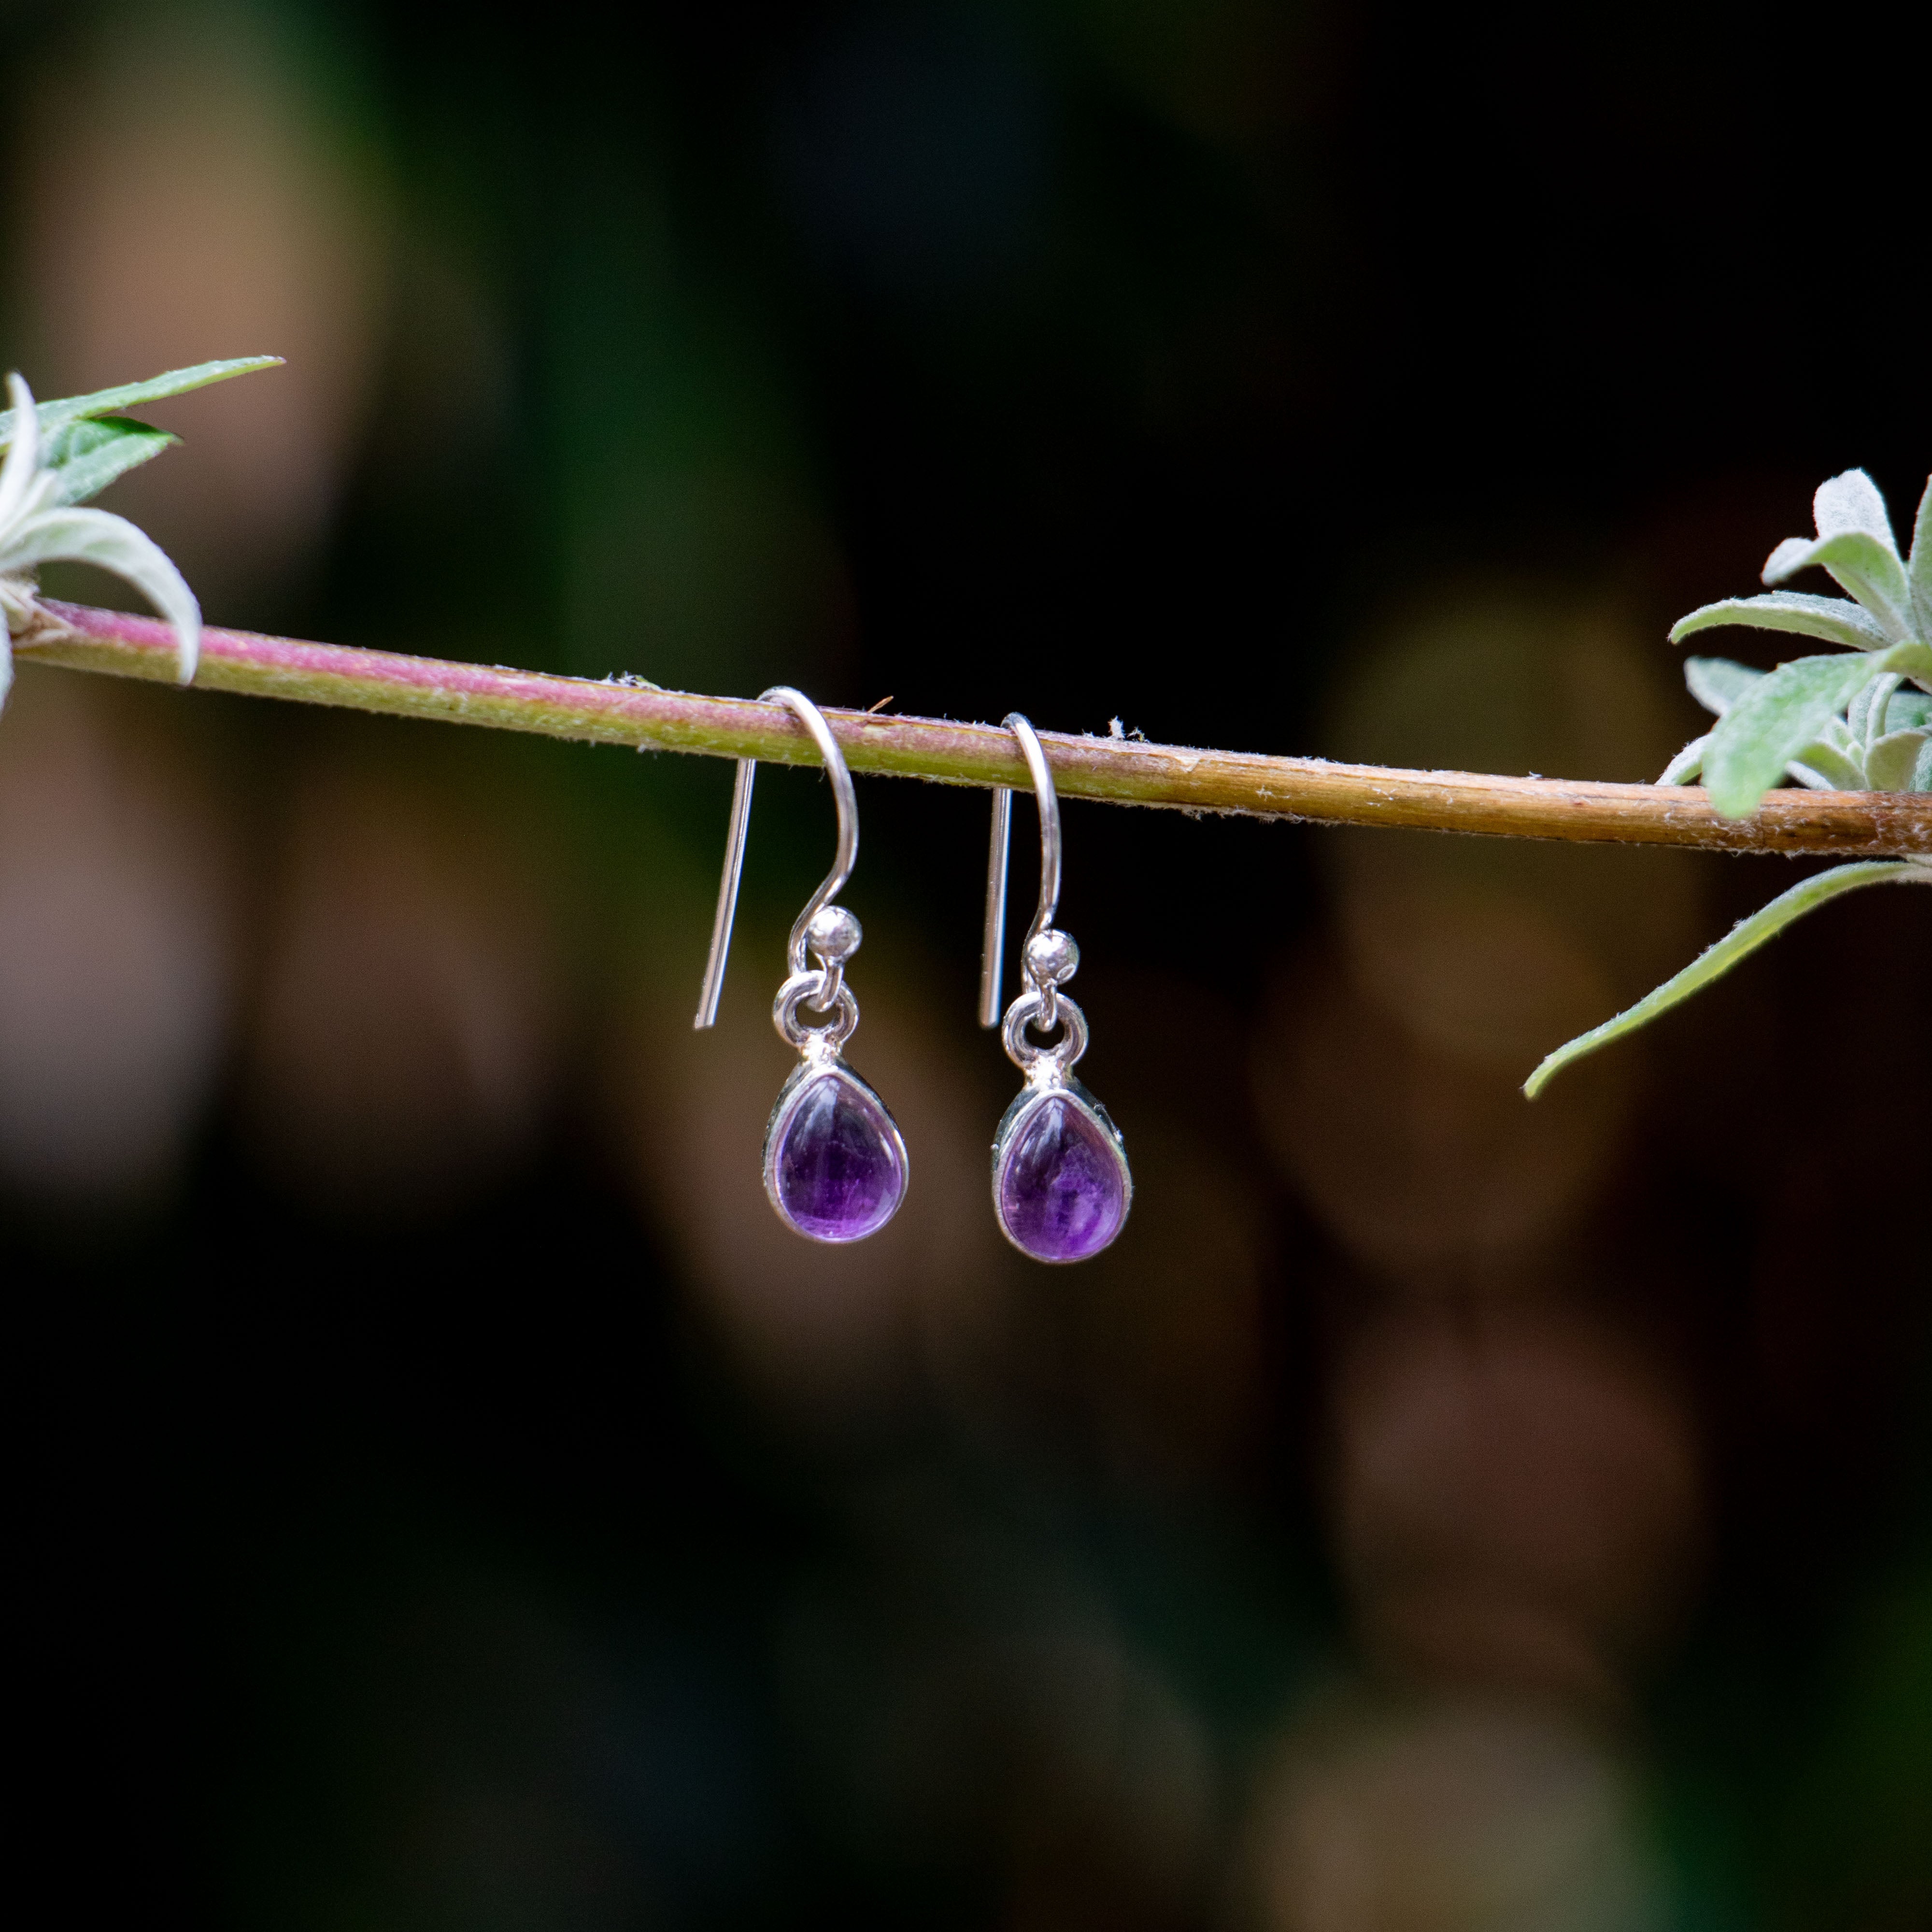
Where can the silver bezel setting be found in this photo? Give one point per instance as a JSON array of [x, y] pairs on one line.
[[820, 1059], [1049, 1077]]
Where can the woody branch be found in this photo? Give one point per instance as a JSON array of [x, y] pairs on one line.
[[1112, 770]]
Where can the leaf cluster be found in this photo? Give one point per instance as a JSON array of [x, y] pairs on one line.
[[1835, 722], [59, 455]]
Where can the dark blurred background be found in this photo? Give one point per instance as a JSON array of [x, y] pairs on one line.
[[445, 1497]]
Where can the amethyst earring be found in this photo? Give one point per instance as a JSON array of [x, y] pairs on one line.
[[834, 1163], [1061, 1186]]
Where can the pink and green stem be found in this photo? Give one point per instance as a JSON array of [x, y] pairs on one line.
[[1870, 825]]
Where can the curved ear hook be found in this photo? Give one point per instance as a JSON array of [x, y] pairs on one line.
[[813, 719], [1047, 802]]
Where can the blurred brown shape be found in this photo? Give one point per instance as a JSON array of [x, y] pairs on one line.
[[1517, 1500], [204, 203], [1388, 1066], [1515, 677], [1232, 72], [1428, 1165], [1496, 948], [822, 1327], [1161, 1337], [1476, 973], [1510, 674], [404, 1042], [1457, 1815], [117, 922]]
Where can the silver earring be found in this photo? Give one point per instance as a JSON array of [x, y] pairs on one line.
[[1061, 1186], [834, 1163]]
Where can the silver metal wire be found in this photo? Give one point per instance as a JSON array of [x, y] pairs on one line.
[[728, 896], [809, 989], [993, 946], [813, 719], [1047, 802]]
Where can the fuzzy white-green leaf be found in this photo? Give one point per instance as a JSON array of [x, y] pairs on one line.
[[87, 455], [1920, 571], [20, 474], [1683, 769], [1834, 620], [1867, 566], [1891, 761], [1865, 714], [1852, 501], [1717, 683], [1773, 723], [6, 656], [1831, 762], [133, 395], [1908, 710], [1743, 939], [112, 544], [1914, 657]]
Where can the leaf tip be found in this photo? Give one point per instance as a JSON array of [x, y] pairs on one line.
[[1732, 802]]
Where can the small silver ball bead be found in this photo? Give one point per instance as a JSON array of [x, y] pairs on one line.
[[834, 934], [1051, 958]]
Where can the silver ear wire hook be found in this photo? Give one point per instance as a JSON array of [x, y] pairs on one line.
[[813, 719], [1061, 1184], [993, 944], [1048, 801], [834, 1161]]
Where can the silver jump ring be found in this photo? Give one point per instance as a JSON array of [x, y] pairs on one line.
[[810, 988], [831, 977], [1031, 1006]]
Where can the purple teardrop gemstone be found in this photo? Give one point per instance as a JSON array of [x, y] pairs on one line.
[[1062, 1186], [835, 1166]]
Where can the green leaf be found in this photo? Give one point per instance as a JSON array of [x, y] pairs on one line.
[[1683, 769], [1743, 939], [1912, 658], [1908, 711], [1717, 683], [132, 395], [1865, 714], [1835, 620], [1920, 570], [112, 543], [1852, 501], [1773, 724], [87, 456], [1783, 714], [22, 482], [1921, 773], [1891, 761], [1866, 566], [1831, 762]]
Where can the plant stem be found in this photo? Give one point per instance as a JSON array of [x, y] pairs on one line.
[[1115, 770]]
